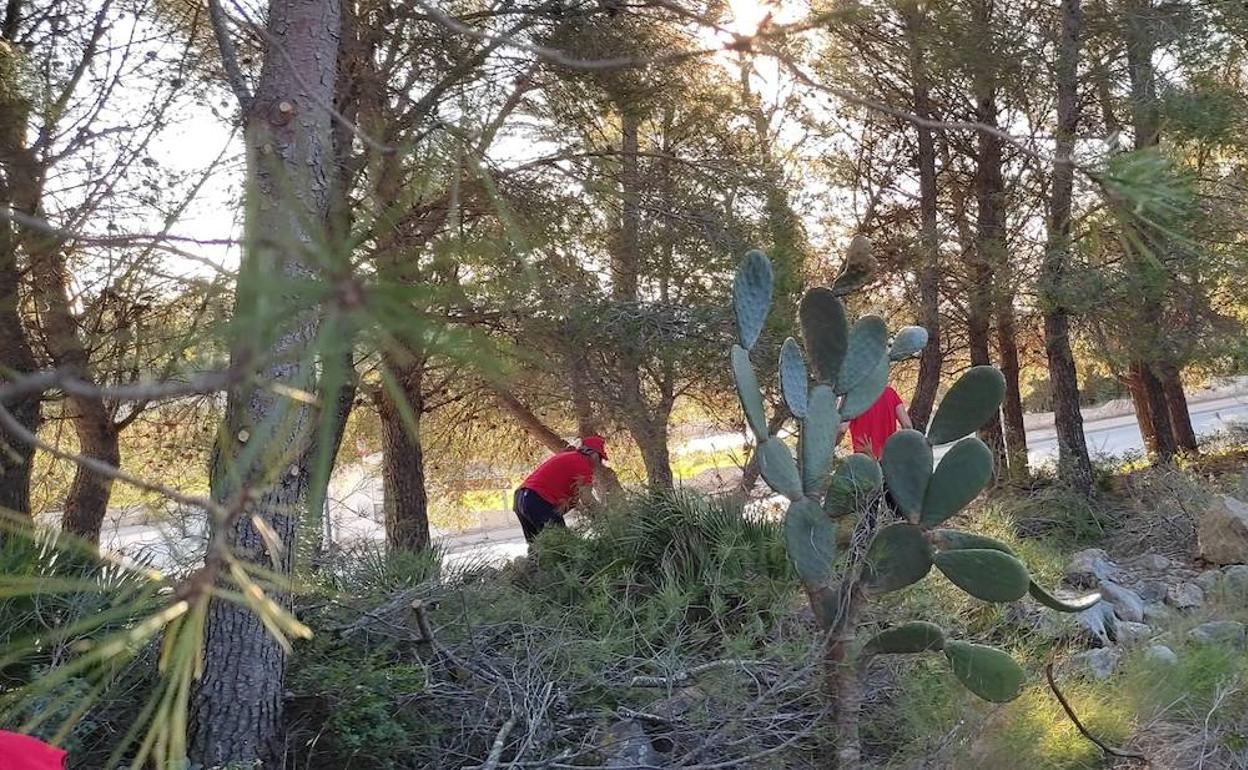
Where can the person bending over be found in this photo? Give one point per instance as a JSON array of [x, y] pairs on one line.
[[557, 485]]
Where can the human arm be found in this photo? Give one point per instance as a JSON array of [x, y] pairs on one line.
[[903, 417]]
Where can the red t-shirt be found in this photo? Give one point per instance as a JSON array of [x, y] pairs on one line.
[[21, 752], [872, 428], [557, 479]]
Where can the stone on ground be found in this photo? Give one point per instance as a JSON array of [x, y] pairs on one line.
[[1222, 531], [1223, 632], [1131, 634], [1097, 664], [1185, 596], [1127, 603], [1160, 653]]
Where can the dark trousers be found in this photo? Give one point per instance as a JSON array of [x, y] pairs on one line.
[[534, 513]]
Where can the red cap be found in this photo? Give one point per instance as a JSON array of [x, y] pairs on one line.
[[21, 752], [596, 443]]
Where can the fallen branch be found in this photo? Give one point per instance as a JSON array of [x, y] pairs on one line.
[[681, 677], [500, 740], [1070, 712]]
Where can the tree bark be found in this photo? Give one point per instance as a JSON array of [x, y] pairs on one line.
[[403, 465], [1074, 464], [932, 357], [86, 503], [1012, 407], [16, 355], [1177, 410], [236, 706], [989, 240]]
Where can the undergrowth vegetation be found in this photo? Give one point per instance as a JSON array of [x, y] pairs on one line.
[[677, 619]]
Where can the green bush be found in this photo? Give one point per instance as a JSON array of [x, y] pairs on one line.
[[675, 566]]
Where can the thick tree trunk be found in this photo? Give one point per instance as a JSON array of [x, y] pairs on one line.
[[403, 465], [989, 235], [18, 191], [1176, 407], [932, 357], [1012, 407], [236, 706], [1152, 411], [651, 438], [16, 359], [1074, 464], [87, 500]]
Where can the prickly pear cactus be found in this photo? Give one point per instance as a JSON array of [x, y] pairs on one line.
[[841, 372]]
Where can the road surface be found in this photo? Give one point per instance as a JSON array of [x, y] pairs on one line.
[[1107, 437]]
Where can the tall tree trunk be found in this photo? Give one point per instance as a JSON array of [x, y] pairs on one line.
[[647, 426], [1012, 407], [989, 234], [16, 359], [932, 357], [403, 464], [1177, 409], [1150, 359], [1073, 463], [86, 503], [236, 706]]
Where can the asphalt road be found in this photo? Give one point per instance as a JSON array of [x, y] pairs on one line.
[[1109, 436]]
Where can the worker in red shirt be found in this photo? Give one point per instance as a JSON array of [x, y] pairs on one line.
[[872, 428], [557, 485], [21, 752]]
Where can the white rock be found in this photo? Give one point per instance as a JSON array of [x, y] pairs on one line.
[[1222, 531], [1235, 578], [1131, 634], [1127, 603], [1089, 567], [1185, 596], [1160, 653], [1098, 664], [1224, 632]]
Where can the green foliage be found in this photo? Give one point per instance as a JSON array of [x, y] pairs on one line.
[[818, 439], [985, 671], [972, 400], [794, 380], [915, 636], [825, 330], [899, 556], [907, 466], [748, 391], [811, 540], [779, 469], [908, 341], [962, 474], [856, 482], [751, 296], [854, 363], [984, 573]]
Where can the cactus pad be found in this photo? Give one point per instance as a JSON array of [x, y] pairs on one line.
[[867, 392], [826, 331], [751, 296], [963, 473], [810, 537], [906, 342], [955, 539], [898, 556], [818, 439], [857, 479], [868, 343], [1062, 605], [779, 469], [793, 378], [970, 403], [984, 573], [747, 390], [916, 636], [985, 671], [907, 464]]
